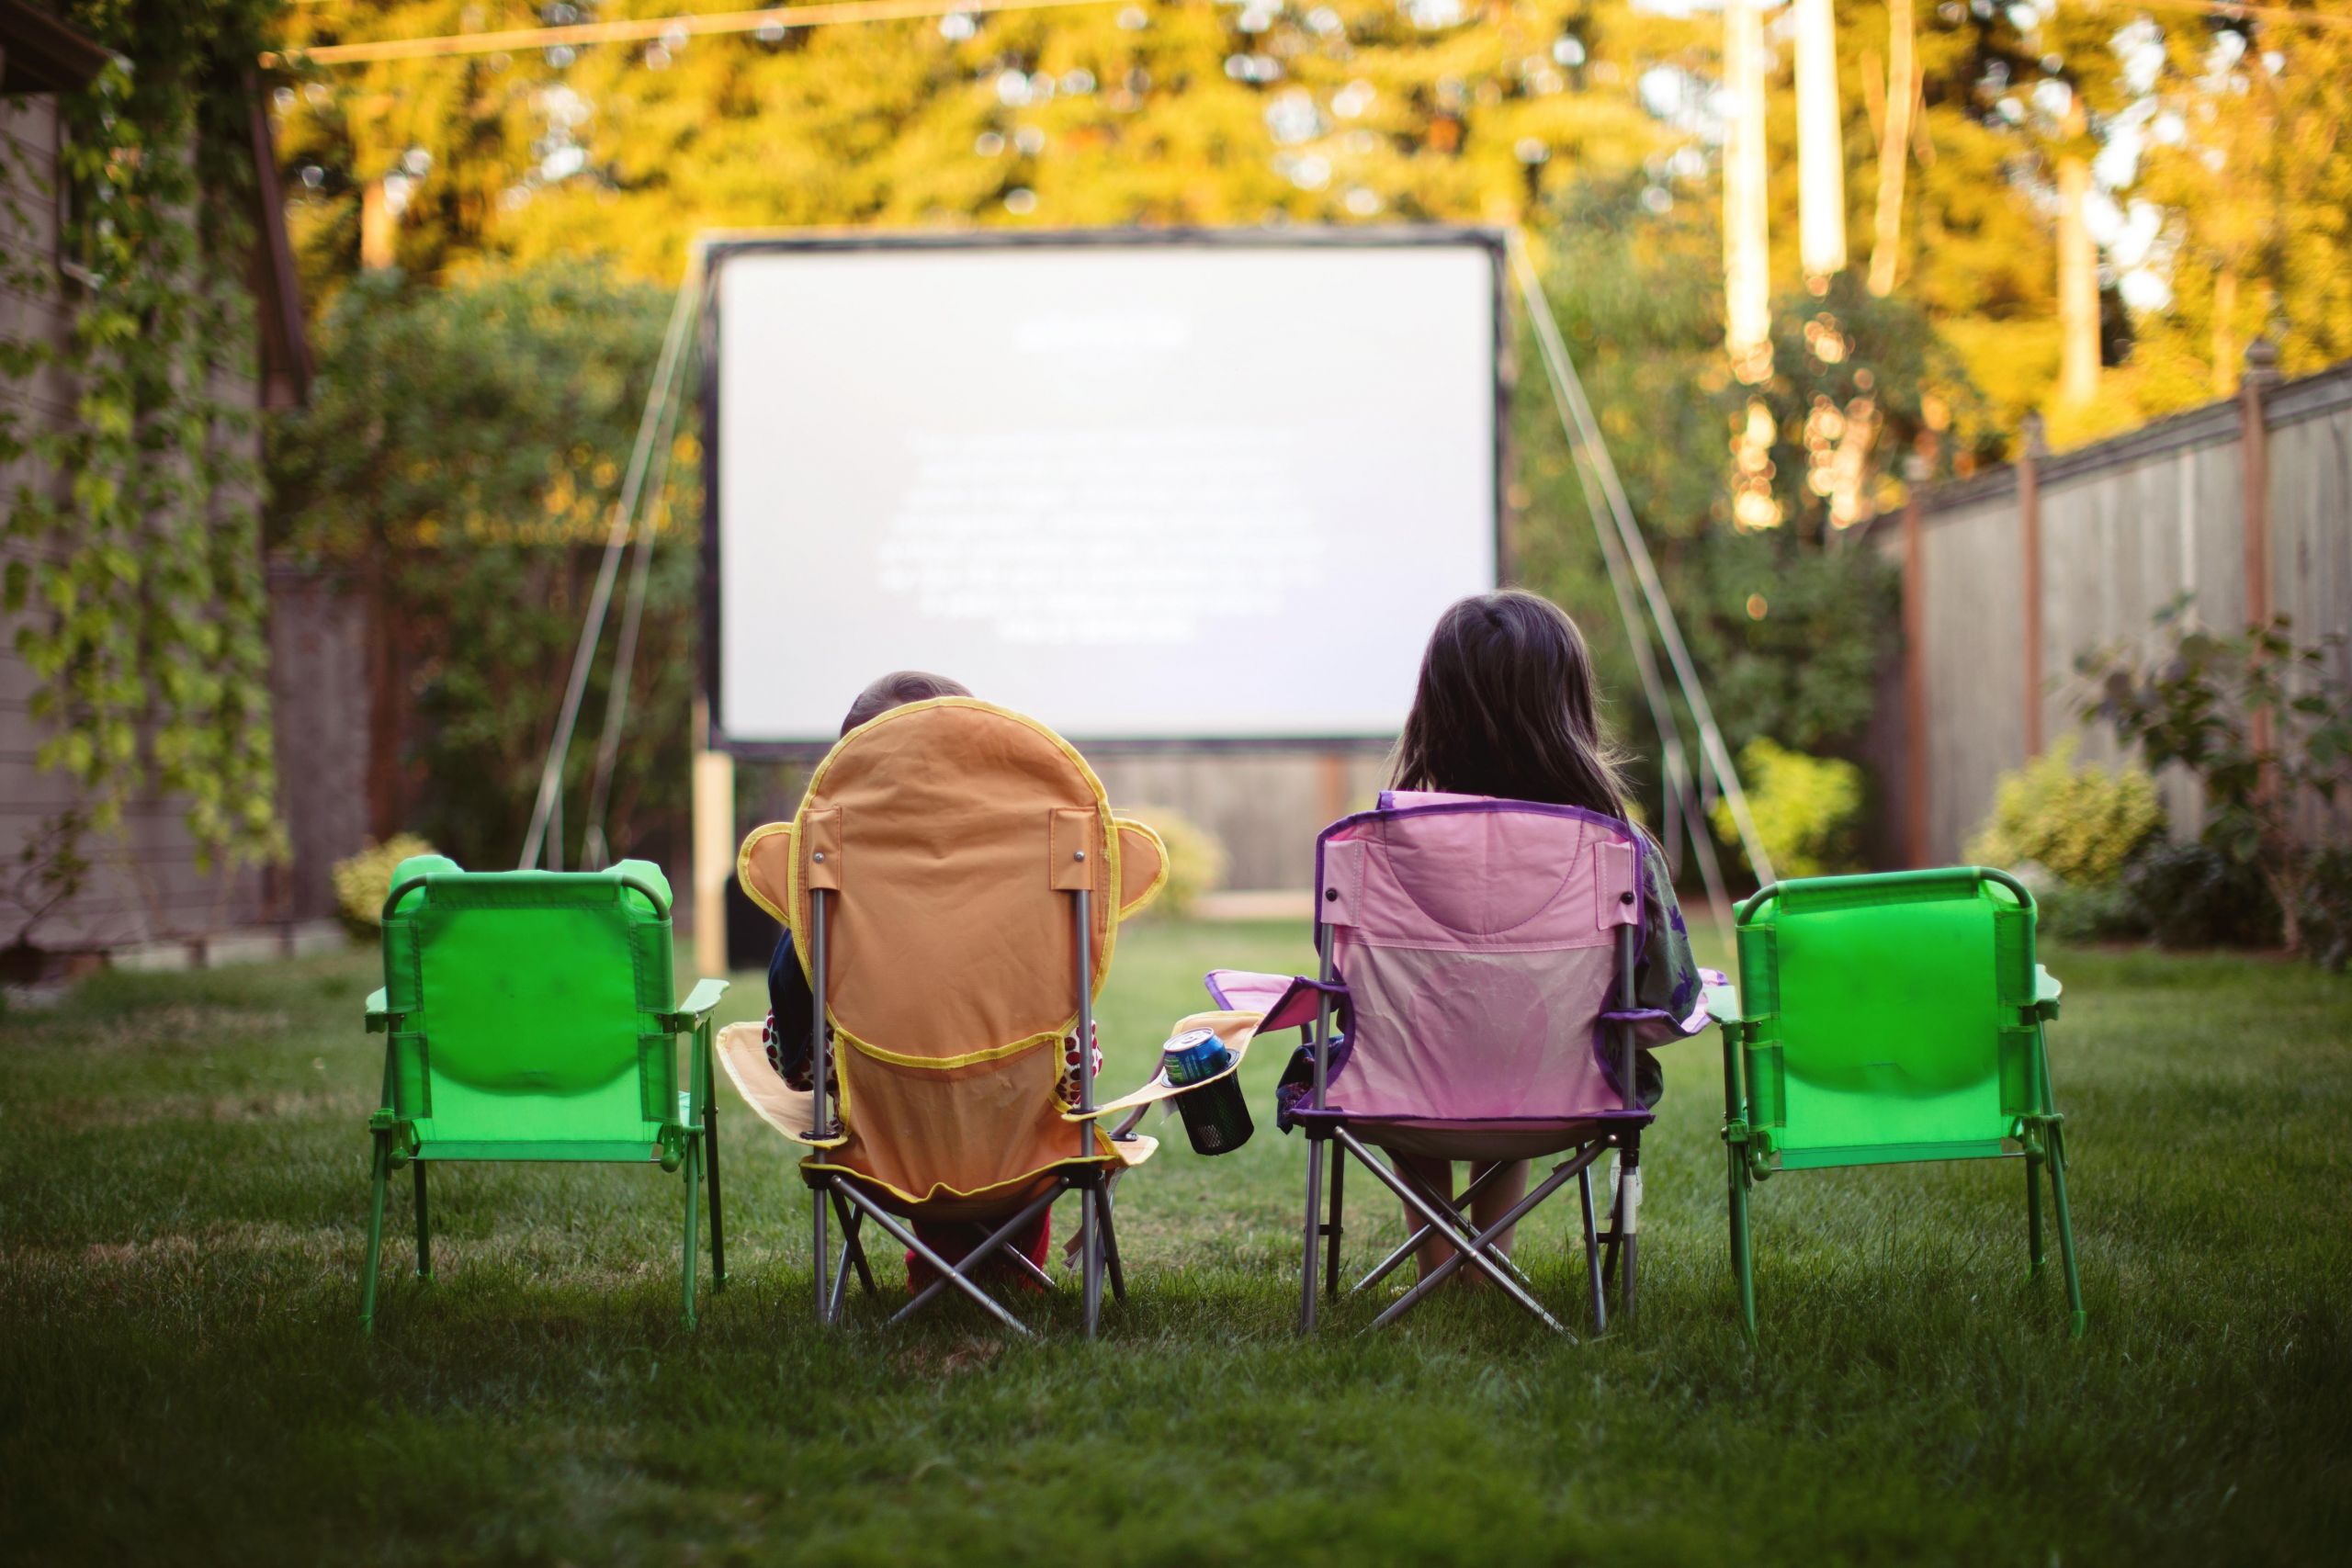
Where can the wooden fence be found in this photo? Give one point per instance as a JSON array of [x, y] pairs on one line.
[[2011, 574]]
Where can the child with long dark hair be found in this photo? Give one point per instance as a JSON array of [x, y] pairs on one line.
[[1507, 706]]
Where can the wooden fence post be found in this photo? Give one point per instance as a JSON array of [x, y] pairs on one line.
[[712, 834], [1915, 666], [386, 806], [2253, 451], [2030, 450]]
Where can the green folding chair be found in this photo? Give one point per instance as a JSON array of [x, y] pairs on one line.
[[1890, 1019], [529, 1017]]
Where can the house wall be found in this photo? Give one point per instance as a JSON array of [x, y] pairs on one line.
[[145, 886]]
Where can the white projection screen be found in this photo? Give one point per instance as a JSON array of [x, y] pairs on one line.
[[1145, 486]]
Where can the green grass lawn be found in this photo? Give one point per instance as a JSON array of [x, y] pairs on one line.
[[182, 1198]]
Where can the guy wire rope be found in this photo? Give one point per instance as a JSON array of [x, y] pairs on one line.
[[1681, 788], [592, 630], [594, 849], [1583, 432]]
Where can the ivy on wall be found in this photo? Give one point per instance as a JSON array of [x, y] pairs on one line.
[[138, 581]]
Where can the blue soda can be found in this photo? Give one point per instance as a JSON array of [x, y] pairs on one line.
[[1192, 1055], [1216, 1119]]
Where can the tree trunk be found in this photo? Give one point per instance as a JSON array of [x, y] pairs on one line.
[[378, 229], [2225, 335], [1821, 146], [2077, 286], [1894, 147], [2077, 274], [1746, 278]]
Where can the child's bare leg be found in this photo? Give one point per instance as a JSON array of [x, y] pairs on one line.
[[1435, 1179], [1497, 1200]]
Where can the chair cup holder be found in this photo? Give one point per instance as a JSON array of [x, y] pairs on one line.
[[1217, 1117]]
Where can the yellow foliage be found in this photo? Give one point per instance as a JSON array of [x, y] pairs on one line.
[[1805, 808], [363, 881], [2080, 822], [1195, 858]]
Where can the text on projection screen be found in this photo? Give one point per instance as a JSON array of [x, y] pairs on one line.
[[1202, 492]]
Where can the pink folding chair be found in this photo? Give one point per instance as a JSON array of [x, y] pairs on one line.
[[1479, 957]]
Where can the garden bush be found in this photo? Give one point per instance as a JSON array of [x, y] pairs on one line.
[[2266, 725], [2072, 911], [362, 882], [2192, 895], [1195, 858], [2081, 821], [458, 461], [1808, 810], [2327, 908]]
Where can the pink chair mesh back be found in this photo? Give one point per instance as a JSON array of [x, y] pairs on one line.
[[1480, 940]]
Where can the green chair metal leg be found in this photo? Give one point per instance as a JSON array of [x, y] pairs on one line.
[[693, 1205], [2080, 1319], [710, 1147], [423, 1235], [1743, 1264], [2033, 1215], [380, 1176], [1736, 1135], [718, 1228]]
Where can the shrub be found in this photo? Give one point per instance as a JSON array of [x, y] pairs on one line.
[[2194, 896], [2080, 821], [2072, 911], [363, 882], [1195, 858], [2327, 908], [1807, 809], [2266, 725]]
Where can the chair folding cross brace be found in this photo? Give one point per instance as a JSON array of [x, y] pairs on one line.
[[1098, 1252], [1440, 1218]]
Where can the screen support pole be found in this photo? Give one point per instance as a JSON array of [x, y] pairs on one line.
[[713, 835]]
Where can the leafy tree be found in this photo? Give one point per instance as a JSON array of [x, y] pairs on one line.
[[2245, 148], [1595, 121], [1155, 111], [1787, 623], [459, 458]]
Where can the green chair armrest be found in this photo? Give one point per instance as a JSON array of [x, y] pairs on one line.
[[379, 1019], [697, 1006], [2046, 992]]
